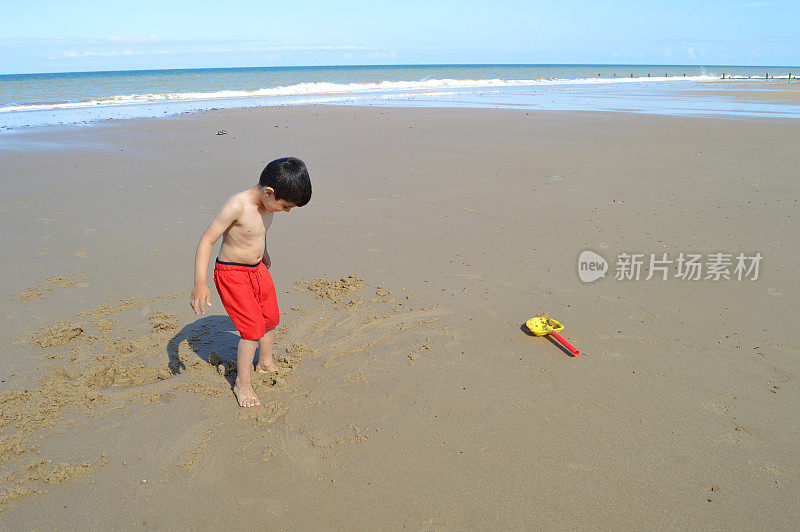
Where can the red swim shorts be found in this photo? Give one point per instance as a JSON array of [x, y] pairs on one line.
[[248, 295]]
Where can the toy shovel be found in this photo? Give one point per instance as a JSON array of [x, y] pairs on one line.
[[542, 325]]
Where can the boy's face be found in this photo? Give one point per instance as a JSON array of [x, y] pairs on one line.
[[275, 205]]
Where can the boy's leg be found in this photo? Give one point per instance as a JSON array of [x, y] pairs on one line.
[[244, 363], [266, 364]]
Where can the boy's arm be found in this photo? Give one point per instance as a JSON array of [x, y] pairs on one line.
[[224, 219], [265, 259]]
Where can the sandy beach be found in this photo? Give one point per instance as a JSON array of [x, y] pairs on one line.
[[410, 394]]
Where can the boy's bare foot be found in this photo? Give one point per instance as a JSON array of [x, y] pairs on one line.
[[246, 395], [268, 367]]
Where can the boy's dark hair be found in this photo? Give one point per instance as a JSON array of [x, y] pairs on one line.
[[288, 177]]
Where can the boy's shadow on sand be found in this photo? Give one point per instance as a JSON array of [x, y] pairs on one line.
[[204, 336]]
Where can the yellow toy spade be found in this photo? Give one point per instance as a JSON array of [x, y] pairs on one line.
[[542, 325]]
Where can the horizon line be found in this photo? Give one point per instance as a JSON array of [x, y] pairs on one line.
[[394, 65]]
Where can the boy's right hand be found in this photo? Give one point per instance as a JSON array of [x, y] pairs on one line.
[[200, 295]]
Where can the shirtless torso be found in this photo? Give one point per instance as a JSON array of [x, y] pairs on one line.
[[244, 241]]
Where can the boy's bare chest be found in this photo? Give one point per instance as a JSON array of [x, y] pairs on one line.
[[253, 224]]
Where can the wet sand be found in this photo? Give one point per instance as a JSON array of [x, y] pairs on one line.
[[782, 91], [790, 97], [409, 393]]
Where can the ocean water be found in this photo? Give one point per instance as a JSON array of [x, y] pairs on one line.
[[30, 100]]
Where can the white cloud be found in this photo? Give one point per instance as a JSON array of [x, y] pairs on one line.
[[691, 53], [119, 53], [301, 48], [109, 47], [381, 55]]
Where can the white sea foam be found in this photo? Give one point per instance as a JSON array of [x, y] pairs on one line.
[[382, 88]]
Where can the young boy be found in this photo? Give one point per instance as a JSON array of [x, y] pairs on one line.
[[241, 272]]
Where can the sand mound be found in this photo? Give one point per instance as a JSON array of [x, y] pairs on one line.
[[42, 290], [333, 290], [57, 335], [26, 481], [162, 322], [108, 370]]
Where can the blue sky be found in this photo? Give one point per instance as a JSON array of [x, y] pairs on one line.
[[80, 35]]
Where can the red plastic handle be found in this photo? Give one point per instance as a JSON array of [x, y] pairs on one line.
[[563, 341]]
